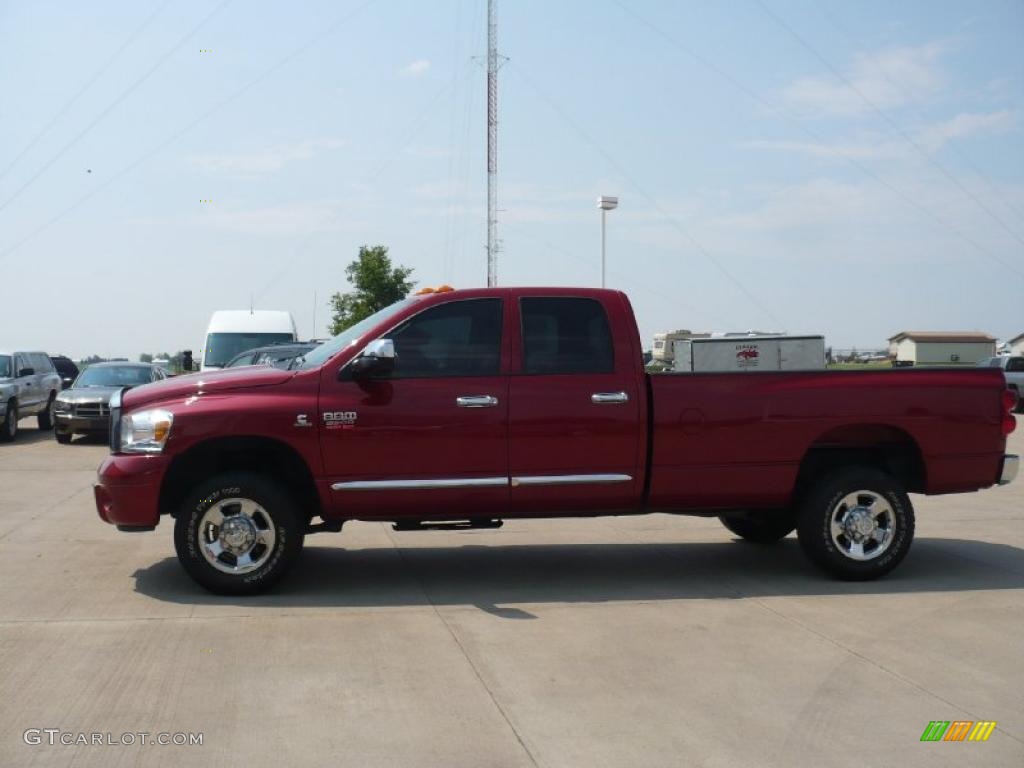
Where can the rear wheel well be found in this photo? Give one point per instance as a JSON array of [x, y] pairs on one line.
[[265, 456], [886, 448]]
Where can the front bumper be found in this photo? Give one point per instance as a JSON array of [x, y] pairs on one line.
[[69, 423], [127, 490], [1011, 466]]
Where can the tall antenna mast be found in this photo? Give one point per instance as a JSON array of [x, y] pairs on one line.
[[492, 144]]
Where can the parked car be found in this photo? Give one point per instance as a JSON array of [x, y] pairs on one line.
[[28, 385], [275, 354], [66, 368], [463, 408], [1013, 369], [85, 407]]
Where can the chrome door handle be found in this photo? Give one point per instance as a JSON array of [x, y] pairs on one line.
[[603, 398], [476, 401]]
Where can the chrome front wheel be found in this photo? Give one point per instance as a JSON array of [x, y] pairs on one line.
[[236, 535]]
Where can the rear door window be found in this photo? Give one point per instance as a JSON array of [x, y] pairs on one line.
[[565, 335]]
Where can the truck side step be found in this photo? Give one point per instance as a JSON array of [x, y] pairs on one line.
[[446, 525], [324, 525]]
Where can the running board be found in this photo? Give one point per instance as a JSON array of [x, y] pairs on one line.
[[446, 525]]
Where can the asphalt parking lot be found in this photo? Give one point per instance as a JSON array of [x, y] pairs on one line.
[[649, 641]]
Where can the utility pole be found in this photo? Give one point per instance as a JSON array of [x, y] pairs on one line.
[[492, 144]]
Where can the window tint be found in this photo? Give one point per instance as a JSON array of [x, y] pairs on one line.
[[566, 335], [461, 338], [1015, 364]]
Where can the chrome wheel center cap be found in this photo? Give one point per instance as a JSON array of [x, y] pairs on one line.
[[238, 534], [860, 524]]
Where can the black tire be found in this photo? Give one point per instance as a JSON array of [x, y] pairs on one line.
[[63, 437], [765, 528], [825, 502], [9, 427], [45, 418], [275, 511]]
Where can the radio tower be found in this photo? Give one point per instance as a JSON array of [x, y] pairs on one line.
[[492, 144]]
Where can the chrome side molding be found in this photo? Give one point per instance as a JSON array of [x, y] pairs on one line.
[[417, 485], [1011, 466], [478, 482], [570, 479]]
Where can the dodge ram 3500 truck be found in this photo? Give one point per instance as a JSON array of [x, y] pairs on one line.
[[463, 408]]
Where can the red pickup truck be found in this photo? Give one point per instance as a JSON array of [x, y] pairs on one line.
[[463, 408]]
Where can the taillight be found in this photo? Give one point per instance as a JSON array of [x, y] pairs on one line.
[[1009, 403]]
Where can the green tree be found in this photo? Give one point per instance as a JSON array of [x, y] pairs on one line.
[[377, 284], [145, 357]]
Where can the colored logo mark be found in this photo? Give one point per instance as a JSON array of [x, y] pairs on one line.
[[958, 730]]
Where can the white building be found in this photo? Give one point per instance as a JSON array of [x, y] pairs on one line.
[[1016, 345], [940, 347]]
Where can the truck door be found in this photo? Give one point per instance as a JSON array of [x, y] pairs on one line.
[[576, 418], [430, 439]]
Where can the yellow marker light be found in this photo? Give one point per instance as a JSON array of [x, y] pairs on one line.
[[160, 430], [444, 289], [423, 291]]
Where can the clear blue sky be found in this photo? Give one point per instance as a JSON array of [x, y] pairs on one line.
[[851, 168]]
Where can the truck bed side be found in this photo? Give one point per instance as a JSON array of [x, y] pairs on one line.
[[741, 440]]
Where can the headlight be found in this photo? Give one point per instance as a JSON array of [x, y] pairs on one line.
[[145, 431], [62, 406]]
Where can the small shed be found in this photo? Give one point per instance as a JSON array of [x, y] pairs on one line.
[[940, 347]]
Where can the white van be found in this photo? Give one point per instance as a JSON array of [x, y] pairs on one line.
[[233, 331]]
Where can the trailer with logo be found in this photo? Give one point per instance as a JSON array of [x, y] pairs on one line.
[[749, 353]]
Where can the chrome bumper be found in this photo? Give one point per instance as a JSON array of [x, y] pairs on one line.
[[1011, 465]]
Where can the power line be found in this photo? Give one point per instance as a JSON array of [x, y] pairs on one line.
[[92, 80], [650, 199], [756, 97], [911, 97], [895, 126], [123, 95], [668, 298], [385, 159], [324, 32]]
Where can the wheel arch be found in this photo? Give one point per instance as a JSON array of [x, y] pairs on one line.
[[264, 455], [886, 447]]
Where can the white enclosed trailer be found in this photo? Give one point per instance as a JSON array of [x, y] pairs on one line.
[[749, 353]]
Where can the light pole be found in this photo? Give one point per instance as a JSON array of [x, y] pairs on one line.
[[606, 204]]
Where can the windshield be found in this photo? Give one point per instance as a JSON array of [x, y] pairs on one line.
[[5, 366], [114, 376], [327, 350], [221, 347]]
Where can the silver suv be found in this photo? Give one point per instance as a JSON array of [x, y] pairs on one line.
[[28, 385], [1013, 369]]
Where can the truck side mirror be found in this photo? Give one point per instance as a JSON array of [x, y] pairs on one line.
[[376, 360], [186, 360], [27, 372]]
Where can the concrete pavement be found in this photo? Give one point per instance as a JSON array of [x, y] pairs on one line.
[[649, 641]]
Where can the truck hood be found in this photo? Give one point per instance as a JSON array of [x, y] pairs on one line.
[[207, 382]]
